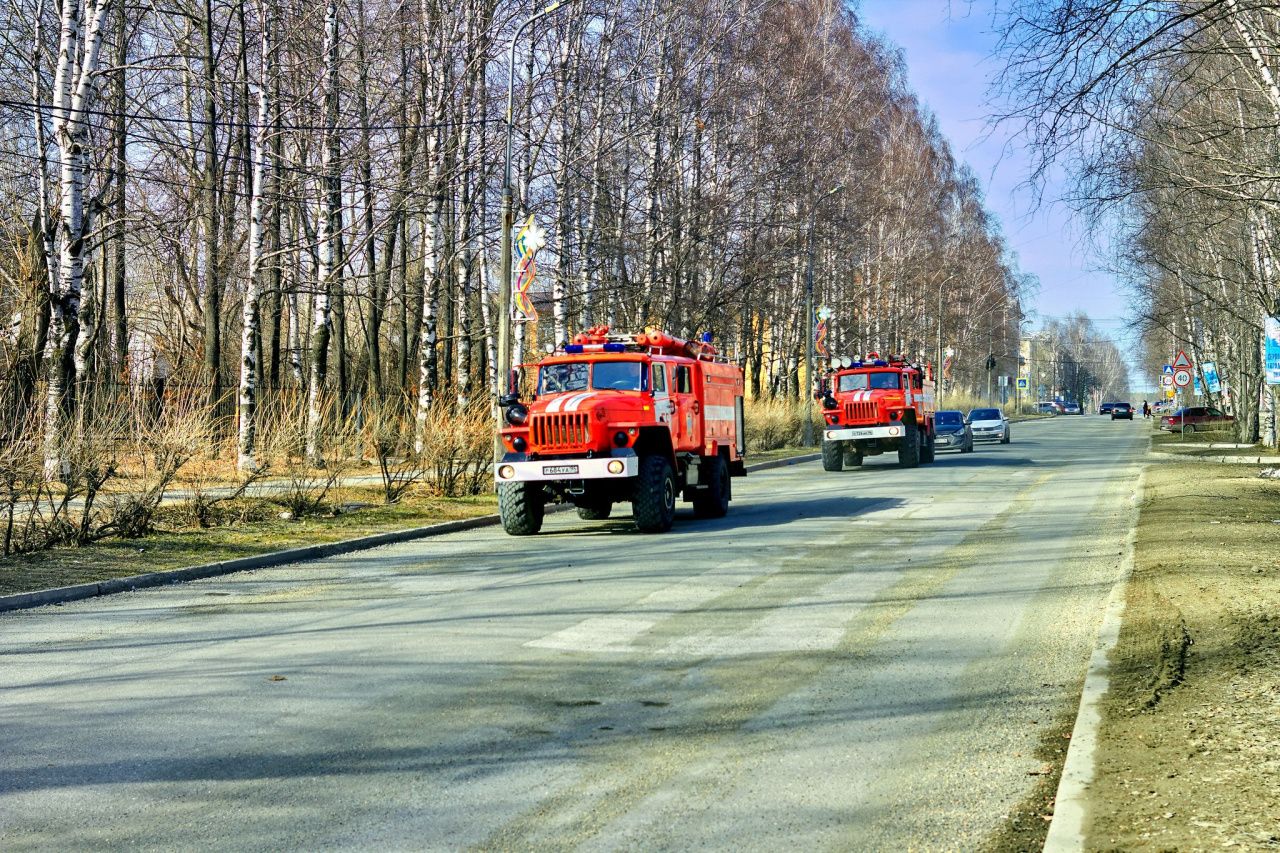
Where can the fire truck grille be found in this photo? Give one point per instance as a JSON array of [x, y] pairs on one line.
[[860, 412], [560, 431]]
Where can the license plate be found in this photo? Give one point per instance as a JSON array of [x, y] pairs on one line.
[[864, 432], [548, 470]]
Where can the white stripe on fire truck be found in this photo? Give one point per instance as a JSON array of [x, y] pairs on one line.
[[576, 401], [556, 403]]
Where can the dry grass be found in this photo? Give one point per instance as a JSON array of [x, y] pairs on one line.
[[773, 424]]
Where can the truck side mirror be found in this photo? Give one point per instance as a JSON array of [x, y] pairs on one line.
[[513, 388]]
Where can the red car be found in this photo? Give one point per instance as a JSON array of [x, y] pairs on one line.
[[1192, 418]]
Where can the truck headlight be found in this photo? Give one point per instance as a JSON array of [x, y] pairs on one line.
[[616, 466], [506, 472]]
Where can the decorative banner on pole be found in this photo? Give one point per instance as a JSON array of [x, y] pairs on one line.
[[1272, 328], [1210, 370], [530, 239], [820, 330]]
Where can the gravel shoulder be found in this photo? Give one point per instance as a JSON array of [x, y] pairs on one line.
[[1187, 754]]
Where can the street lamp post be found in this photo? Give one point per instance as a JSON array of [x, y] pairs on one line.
[[937, 366], [808, 323], [508, 225]]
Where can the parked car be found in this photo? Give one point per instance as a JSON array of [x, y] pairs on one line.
[[1047, 407], [988, 425], [1071, 408], [1123, 411], [953, 432], [1105, 408], [1193, 418]]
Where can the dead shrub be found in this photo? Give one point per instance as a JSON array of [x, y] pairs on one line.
[[456, 449], [389, 437], [302, 486]]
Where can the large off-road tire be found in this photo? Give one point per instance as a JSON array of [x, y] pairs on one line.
[[654, 503], [909, 447], [832, 456], [595, 511], [522, 507], [713, 502], [852, 456], [927, 450]]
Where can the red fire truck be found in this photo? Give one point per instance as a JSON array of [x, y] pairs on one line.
[[637, 418], [877, 405]]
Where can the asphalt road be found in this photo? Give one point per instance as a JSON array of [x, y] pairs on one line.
[[852, 660]]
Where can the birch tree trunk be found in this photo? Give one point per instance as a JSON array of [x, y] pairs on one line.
[[73, 101], [249, 334], [327, 237]]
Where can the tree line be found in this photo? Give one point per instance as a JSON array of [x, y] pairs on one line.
[[266, 198], [1167, 115]]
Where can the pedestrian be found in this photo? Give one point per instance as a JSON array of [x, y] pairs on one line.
[[1146, 409]]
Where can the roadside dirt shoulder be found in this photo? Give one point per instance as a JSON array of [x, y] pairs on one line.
[[1188, 754]]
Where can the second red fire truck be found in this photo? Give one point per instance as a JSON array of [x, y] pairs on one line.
[[874, 406], [640, 418]]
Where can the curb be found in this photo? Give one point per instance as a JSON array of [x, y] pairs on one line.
[[1189, 456], [1067, 829], [305, 553]]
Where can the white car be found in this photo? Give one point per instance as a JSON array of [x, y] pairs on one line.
[[989, 425]]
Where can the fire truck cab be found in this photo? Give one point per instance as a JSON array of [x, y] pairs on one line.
[[640, 418], [876, 405]]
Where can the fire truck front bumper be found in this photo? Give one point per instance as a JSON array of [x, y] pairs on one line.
[[850, 433], [551, 470]]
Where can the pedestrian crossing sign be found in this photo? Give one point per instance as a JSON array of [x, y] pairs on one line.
[[1022, 383]]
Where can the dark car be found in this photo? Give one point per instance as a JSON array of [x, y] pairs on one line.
[[1121, 410], [1192, 418], [953, 432], [1105, 408]]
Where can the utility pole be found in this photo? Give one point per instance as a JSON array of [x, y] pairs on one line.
[[808, 322], [508, 225]]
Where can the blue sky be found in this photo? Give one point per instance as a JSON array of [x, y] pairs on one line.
[[949, 46]]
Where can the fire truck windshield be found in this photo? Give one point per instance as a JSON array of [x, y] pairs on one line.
[[601, 375], [882, 381]]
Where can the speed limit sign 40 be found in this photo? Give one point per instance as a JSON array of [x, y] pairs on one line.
[[1182, 378]]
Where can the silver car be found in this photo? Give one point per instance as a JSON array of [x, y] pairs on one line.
[[988, 425]]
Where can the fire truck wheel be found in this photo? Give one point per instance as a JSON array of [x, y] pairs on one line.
[[832, 456], [714, 501], [927, 450], [909, 448], [654, 503], [598, 511], [521, 506]]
